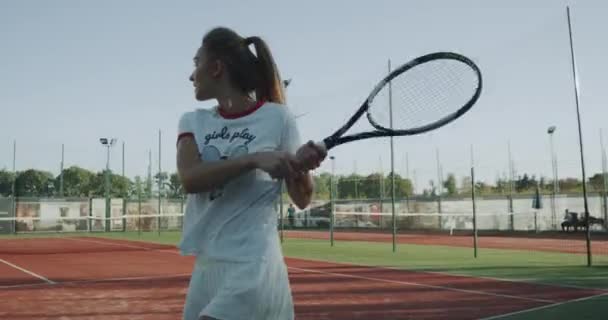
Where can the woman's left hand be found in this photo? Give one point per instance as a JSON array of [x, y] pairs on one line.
[[310, 156]]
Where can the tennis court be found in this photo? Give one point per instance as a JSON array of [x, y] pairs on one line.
[[140, 275]]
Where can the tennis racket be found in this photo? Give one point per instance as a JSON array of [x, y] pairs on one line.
[[417, 97]]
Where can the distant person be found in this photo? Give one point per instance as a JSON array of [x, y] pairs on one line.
[[231, 160], [291, 212]]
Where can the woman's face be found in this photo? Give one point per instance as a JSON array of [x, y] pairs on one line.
[[205, 75]]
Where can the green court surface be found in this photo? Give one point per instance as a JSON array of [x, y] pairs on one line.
[[515, 265]]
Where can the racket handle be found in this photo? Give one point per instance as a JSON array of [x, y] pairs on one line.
[[321, 145]]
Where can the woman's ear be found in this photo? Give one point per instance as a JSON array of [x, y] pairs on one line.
[[216, 68]]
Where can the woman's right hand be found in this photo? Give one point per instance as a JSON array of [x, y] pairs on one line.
[[278, 164]]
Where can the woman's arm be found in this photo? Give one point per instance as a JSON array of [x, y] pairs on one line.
[[199, 176], [300, 189]]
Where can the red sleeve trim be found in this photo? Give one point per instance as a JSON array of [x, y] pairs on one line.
[[183, 135]]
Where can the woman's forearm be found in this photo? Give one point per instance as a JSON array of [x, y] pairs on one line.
[[300, 190], [205, 176]]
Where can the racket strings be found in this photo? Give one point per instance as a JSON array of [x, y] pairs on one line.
[[424, 94]]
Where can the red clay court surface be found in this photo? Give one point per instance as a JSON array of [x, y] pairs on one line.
[[96, 278], [569, 244]]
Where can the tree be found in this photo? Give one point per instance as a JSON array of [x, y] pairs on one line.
[[501, 186], [597, 181], [370, 186], [321, 182], [465, 185], [119, 186], [77, 182], [348, 187], [450, 184], [137, 187], [403, 187], [34, 183], [175, 186], [525, 183], [6, 182], [570, 184]]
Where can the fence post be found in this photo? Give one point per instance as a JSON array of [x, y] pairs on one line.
[[474, 212]]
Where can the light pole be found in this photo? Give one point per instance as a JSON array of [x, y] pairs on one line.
[[108, 143], [550, 131], [555, 188]]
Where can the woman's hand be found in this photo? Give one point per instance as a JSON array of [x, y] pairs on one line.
[[310, 156]]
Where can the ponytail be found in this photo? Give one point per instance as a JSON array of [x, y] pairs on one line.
[[269, 86]]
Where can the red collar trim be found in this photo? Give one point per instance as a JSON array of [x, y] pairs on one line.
[[237, 115]]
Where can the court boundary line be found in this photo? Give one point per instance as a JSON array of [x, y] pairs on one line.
[[498, 316], [457, 274], [605, 290], [565, 286], [114, 244], [76, 282], [414, 284], [388, 281], [31, 273], [371, 267]]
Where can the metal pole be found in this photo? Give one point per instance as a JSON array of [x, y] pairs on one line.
[[474, 212], [511, 177], [331, 202], [580, 141], [439, 186], [149, 186], [108, 201], [381, 186], [394, 219], [160, 182], [555, 183], [61, 171], [123, 159], [604, 178], [139, 209], [14, 187], [407, 176]]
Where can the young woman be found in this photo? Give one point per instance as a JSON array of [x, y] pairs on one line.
[[232, 159]]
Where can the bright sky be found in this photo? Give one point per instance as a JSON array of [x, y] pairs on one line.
[[74, 71]]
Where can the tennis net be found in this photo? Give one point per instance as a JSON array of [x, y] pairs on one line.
[[91, 224], [429, 222]]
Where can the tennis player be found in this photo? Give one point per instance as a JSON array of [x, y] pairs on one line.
[[231, 160]]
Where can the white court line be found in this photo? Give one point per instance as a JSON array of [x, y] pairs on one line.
[[112, 244], [373, 279], [143, 278], [477, 292], [543, 307], [522, 281], [27, 271]]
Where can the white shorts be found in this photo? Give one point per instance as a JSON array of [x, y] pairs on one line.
[[239, 291]]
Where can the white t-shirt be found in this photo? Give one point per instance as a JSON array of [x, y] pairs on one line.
[[237, 222]]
